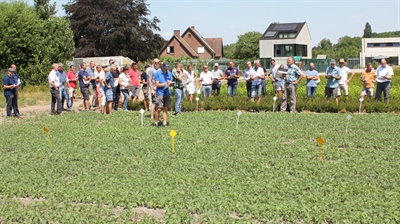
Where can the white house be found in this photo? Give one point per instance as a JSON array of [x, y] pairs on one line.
[[376, 47], [282, 40]]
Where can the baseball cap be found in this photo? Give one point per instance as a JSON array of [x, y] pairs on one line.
[[216, 65], [11, 70], [165, 65], [333, 61]]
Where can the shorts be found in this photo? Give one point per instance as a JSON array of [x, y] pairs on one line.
[[71, 92], [153, 98], [216, 87], [163, 101], [134, 90], [331, 92], [278, 85], [109, 95], [367, 91], [92, 90], [85, 93], [345, 88], [145, 92]]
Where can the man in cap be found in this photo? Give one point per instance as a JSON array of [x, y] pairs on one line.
[[163, 80], [343, 82], [10, 85], [333, 75], [55, 84], [384, 74], [292, 77], [218, 76], [18, 81], [92, 85]]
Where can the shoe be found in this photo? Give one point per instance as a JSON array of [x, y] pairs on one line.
[[126, 110], [165, 125], [155, 124]]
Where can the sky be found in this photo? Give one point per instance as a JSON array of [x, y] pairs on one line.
[[230, 18]]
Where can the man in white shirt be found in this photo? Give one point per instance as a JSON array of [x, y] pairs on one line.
[[54, 83], [384, 74], [249, 73], [206, 80], [218, 75], [256, 87], [344, 82], [273, 75]]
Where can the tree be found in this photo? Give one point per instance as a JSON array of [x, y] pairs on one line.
[[114, 27], [31, 43], [348, 47], [247, 46], [44, 9], [229, 50], [367, 31]]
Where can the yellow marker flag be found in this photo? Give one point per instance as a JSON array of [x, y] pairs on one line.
[[48, 135], [173, 134], [320, 142]]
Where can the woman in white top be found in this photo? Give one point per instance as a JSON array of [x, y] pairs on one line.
[[190, 79], [124, 81], [101, 99]]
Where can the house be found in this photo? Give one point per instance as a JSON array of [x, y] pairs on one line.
[[373, 48], [191, 43], [282, 40]]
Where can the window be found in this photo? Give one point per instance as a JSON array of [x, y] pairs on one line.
[[287, 35], [170, 50], [200, 50], [389, 44], [286, 50]]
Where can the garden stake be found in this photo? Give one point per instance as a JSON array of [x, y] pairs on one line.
[[320, 143], [48, 135], [173, 134]]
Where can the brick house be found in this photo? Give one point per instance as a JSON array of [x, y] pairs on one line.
[[192, 44]]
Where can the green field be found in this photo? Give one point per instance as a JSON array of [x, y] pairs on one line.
[[108, 169]]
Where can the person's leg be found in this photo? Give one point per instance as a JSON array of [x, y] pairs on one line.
[[203, 89], [292, 91], [284, 99], [9, 100], [153, 106], [346, 90], [252, 93], [218, 88], [234, 90], [166, 104], [313, 91], [308, 90], [125, 92], [379, 90], [386, 91], [165, 115], [249, 89], [15, 106], [58, 101], [178, 98], [336, 95], [229, 90], [327, 94], [16, 96], [53, 102], [264, 87], [209, 91]]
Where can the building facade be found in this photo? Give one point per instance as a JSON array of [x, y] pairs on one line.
[[375, 48]]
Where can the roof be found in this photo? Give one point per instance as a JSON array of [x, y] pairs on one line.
[[275, 29], [216, 44], [184, 43], [200, 37]]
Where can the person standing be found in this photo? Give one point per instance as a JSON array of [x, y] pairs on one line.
[[84, 80], [368, 78], [163, 79], [10, 85], [145, 90], [177, 77], [276, 78], [63, 90], [292, 77], [134, 86], [99, 75], [55, 84], [206, 80], [333, 75], [124, 81], [248, 77], [108, 83], [190, 79], [256, 86], [384, 74], [218, 75], [152, 85], [71, 83], [116, 88], [344, 82], [18, 81], [92, 85], [232, 74], [312, 79]]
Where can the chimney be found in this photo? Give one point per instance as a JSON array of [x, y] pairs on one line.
[[177, 33], [193, 27]]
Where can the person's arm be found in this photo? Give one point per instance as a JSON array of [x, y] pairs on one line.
[[299, 79], [200, 81], [389, 75], [351, 77], [144, 80], [12, 86], [237, 74], [159, 85]]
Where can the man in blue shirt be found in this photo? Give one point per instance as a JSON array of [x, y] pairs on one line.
[[163, 82], [232, 74], [92, 84], [312, 79], [10, 86], [63, 91], [292, 77], [333, 75], [84, 79], [18, 82]]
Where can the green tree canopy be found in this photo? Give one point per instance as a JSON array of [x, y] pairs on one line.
[[44, 9], [229, 50], [114, 27], [31, 43], [247, 46], [367, 31]]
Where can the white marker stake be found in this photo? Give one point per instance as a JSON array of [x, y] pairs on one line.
[[197, 107], [237, 122], [142, 112], [348, 120], [361, 100], [275, 98]]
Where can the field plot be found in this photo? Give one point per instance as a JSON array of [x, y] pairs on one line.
[[110, 169]]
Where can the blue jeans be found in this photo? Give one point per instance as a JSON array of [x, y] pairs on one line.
[[206, 91], [232, 89], [256, 90], [264, 87], [126, 98], [311, 91], [65, 97], [179, 95]]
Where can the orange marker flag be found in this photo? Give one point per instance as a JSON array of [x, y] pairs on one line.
[[48, 135], [173, 134], [320, 142]]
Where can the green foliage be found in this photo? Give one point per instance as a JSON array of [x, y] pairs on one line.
[[229, 50], [44, 9], [32, 43], [346, 47], [367, 31], [247, 46], [387, 34], [266, 171]]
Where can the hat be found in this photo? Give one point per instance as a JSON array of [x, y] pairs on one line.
[[11, 70], [165, 65], [216, 65], [333, 61], [341, 60]]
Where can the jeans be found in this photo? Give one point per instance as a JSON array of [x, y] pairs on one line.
[[12, 105], [206, 91], [55, 99], [311, 91], [264, 87], [116, 94], [65, 97], [232, 89], [248, 88], [126, 98], [289, 91], [256, 90], [179, 95], [385, 88]]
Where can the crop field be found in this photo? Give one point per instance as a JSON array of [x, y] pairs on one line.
[[109, 169]]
